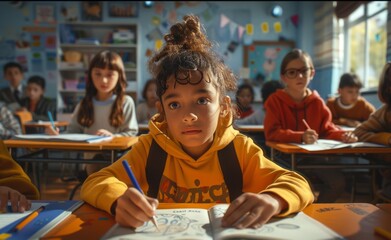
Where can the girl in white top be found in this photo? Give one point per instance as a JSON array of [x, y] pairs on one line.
[[105, 110]]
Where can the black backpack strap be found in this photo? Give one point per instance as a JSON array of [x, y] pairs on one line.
[[232, 172], [229, 165], [156, 162]]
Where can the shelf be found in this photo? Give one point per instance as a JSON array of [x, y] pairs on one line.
[[99, 24], [89, 38], [102, 45], [85, 69]]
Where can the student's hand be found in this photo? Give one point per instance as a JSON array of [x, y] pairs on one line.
[[309, 136], [19, 202], [352, 123], [133, 208], [103, 132], [252, 210], [50, 131], [349, 137]]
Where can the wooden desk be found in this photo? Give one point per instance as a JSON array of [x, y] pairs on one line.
[[294, 150], [351, 220], [54, 151], [113, 146], [384, 206], [249, 128]]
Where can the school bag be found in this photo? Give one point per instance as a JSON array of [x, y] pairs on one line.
[[228, 160]]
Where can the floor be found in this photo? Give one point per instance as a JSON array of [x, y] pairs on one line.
[[58, 184]]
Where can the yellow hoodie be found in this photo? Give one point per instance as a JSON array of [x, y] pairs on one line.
[[187, 180], [13, 176]]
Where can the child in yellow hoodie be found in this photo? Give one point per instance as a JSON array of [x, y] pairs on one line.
[[15, 186], [193, 125]]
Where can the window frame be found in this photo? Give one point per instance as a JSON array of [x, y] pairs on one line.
[[346, 27]]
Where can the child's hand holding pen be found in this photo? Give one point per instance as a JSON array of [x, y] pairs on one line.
[[349, 137], [310, 136], [52, 129], [133, 207]]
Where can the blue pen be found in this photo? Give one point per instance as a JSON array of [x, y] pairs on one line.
[[51, 120], [136, 185]]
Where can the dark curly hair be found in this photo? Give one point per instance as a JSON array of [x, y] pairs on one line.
[[188, 49]]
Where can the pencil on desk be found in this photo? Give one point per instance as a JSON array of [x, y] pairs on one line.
[[51, 120], [27, 220], [137, 186], [382, 232]]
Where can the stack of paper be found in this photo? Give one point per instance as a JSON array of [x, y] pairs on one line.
[[69, 137]]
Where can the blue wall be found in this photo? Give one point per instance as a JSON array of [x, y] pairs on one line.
[[14, 18]]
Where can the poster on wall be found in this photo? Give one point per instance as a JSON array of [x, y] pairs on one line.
[[264, 59], [91, 11], [44, 13], [123, 9]]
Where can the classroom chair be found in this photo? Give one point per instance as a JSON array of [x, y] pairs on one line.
[[23, 117]]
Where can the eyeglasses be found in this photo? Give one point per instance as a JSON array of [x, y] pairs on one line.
[[292, 72]]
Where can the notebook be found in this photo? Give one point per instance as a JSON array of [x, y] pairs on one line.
[[67, 137], [53, 214], [325, 144], [194, 223]]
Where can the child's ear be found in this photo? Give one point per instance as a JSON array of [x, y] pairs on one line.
[[159, 107], [312, 73], [225, 106]]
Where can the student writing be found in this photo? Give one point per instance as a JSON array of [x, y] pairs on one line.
[[377, 128], [349, 108], [105, 110], [193, 124], [35, 102], [286, 109]]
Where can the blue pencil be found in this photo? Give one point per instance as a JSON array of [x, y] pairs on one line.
[[136, 185], [51, 120]]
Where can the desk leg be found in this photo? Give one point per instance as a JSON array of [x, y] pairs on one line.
[[112, 156], [293, 161]]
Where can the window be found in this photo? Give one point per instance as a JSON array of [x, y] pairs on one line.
[[364, 42]]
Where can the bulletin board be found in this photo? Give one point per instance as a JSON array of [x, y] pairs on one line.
[[263, 58]]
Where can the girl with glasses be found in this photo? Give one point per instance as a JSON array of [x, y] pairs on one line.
[[289, 109]]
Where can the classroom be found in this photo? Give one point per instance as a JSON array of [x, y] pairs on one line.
[[115, 113]]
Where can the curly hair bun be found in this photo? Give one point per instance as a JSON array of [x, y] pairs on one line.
[[188, 35]]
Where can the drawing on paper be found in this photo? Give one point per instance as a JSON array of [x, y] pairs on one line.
[[172, 224]]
